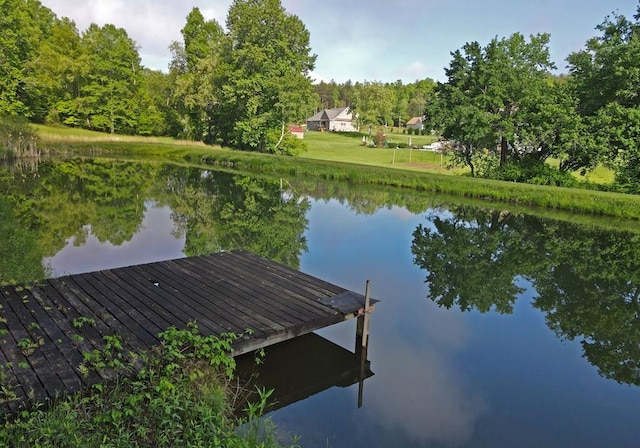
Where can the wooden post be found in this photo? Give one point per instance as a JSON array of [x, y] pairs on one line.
[[362, 340], [362, 325]]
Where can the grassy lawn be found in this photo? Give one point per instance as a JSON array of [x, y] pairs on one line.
[[348, 148]]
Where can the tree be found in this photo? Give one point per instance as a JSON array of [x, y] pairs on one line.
[[605, 78], [194, 69], [501, 99], [55, 71], [264, 78], [373, 102], [111, 79], [24, 24]]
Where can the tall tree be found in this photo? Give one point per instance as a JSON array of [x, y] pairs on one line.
[[264, 80], [194, 68], [605, 77], [501, 98], [24, 24], [111, 72], [55, 71]]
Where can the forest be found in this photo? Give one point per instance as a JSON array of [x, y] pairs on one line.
[[503, 108]]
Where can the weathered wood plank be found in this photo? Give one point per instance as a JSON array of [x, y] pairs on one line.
[[260, 286], [229, 292], [182, 284], [245, 296]]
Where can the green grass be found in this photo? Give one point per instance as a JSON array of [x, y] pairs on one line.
[[348, 148], [63, 134], [341, 157]]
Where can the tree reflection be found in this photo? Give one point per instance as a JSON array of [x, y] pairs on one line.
[[586, 279], [61, 200], [221, 211]]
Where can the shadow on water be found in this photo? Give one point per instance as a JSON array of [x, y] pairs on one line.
[[298, 369]]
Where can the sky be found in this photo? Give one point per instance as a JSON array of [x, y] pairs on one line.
[[367, 40]]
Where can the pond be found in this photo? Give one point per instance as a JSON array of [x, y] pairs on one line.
[[496, 327]]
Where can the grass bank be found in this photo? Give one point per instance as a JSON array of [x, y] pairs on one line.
[[354, 163]]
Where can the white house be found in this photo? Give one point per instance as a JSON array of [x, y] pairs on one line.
[[337, 119], [416, 123]]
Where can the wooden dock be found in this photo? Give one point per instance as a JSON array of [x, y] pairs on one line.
[[45, 327]]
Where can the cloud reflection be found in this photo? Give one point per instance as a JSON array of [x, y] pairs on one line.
[[153, 242], [424, 395]]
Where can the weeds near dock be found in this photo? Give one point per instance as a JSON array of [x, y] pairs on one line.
[[179, 397]]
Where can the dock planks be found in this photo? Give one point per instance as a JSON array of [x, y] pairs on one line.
[[45, 327]]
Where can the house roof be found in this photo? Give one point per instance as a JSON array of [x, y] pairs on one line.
[[415, 120], [316, 117], [331, 114], [334, 113], [295, 129]]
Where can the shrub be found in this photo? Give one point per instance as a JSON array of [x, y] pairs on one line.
[[17, 137]]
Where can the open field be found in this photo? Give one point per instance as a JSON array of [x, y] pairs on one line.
[[343, 147]]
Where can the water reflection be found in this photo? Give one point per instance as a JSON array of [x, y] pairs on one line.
[[426, 398], [493, 375], [587, 280], [299, 368], [78, 203]]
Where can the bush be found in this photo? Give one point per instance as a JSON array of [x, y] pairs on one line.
[[17, 137], [178, 398]]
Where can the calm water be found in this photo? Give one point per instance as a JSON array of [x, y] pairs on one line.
[[495, 328]]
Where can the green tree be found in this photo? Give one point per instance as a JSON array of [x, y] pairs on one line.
[[55, 71], [194, 69], [111, 80], [605, 78], [501, 100], [264, 77], [373, 103], [24, 24], [157, 117]]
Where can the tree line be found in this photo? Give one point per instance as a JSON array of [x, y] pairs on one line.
[[504, 112], [238, 87]]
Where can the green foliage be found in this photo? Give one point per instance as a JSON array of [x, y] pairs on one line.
[[17, 137], [586, 278], [283, 142], [604, 78], [530, 171], [264, 78], [25, 24], [178, 398], [373, 103], [502, 94]]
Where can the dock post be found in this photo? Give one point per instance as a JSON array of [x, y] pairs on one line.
[[362, 340], [362, 325]]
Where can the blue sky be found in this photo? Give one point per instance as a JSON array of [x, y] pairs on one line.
[[372, 40]]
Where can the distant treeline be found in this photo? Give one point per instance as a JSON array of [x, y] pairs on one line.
[[502, 111]]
